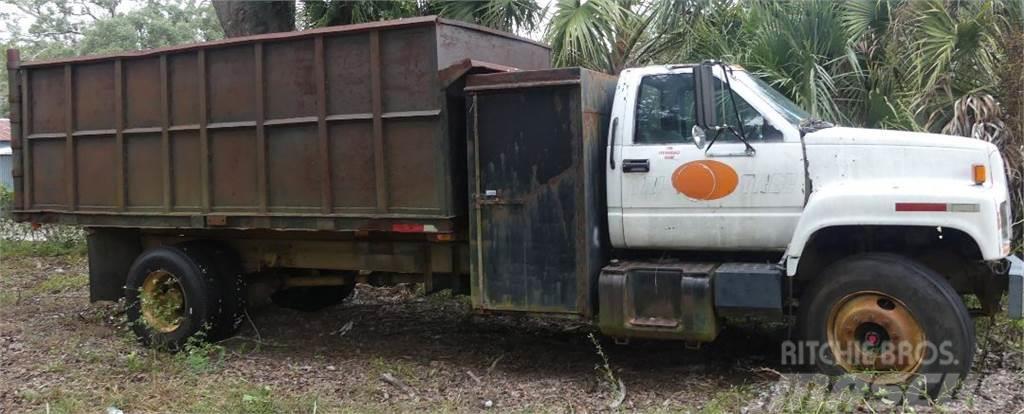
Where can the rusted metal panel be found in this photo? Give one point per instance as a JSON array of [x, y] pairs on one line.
[[233, 169], [345, 121], [142, 96], [47, 177], [352, 156], [46, 106], [184, 89], [457, 42], [536, 145], [93, 96], [348, 86], [294, 155], [186, 175], [143, 157], [96, 180]]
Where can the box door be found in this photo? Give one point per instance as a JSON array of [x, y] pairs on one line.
[[525, 215]]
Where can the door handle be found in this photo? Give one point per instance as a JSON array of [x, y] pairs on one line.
[[636, 166]]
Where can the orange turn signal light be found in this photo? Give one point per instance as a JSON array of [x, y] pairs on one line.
[[980, 175]]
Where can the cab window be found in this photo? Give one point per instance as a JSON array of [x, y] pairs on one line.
[[756, 128], [664, 109]]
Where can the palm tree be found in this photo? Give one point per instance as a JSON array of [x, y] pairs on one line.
[[951, 51], [519, 16]]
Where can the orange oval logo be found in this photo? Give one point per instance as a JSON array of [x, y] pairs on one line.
[[705, 180]]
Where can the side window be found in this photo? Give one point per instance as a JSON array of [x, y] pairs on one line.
[[756, 128], [664, 110]]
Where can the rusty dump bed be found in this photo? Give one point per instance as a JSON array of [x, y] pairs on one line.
[[355, 127]]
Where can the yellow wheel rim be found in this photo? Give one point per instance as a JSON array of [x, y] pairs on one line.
[[163, 301], [876, 337]]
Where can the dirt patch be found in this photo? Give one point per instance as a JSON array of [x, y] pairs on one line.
[[394, 350]]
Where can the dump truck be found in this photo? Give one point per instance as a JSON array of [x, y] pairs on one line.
[[660, 203]]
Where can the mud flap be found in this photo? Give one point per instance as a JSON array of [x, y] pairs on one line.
[[111, 253]]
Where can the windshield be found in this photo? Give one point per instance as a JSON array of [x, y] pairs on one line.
[[790, 110]]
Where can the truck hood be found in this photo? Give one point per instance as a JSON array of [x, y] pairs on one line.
[[887, 137], [849, 156]]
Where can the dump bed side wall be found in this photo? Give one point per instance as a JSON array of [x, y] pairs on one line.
[[282, 131], [487, 47]]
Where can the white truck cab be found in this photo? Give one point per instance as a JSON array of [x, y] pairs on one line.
[[666, 193]]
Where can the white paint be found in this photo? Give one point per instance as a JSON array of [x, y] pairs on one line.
[[645, 211], [856, 176]]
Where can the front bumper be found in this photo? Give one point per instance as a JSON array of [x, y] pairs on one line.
[[1016, 288]]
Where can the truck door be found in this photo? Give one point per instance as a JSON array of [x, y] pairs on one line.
[[676, 196]]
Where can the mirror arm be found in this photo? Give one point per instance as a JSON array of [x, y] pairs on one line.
[[718, 131], [742, 134]]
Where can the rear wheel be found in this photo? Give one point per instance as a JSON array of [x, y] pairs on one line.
[[228, 275], [888, 321], [170, 295]]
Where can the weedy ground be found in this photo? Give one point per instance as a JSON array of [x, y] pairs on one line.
[[395, 350]]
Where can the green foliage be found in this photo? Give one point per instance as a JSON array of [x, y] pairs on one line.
[[801, 50], [27, 248], [63, 28], [581, 33], [21, 239], [154, 25], [6, 202], [952, 53], [199, 356], [507, 15]]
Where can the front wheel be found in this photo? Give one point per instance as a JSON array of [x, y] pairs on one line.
[[888, 321]]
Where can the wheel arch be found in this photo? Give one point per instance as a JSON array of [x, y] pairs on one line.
[[952, 252]]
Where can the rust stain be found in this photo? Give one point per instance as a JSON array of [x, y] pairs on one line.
[[705, 180]]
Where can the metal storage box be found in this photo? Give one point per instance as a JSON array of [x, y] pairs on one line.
[[346, 128], [537, 144]]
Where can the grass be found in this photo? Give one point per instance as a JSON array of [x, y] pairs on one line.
[[8, 298], [62, 282], [31, 248], [258, 399], [728, 401]]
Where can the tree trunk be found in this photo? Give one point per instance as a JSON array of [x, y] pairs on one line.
[[247, 17]]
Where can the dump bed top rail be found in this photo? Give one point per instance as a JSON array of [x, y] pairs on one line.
[[351, 28]]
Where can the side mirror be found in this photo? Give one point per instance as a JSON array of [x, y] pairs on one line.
[[699, 137], [704, 94]]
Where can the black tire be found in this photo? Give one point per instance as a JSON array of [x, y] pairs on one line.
[[927, 296], [194, 278], [311, 298], [230, 309]]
